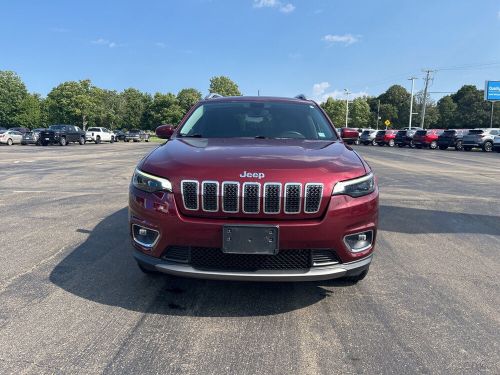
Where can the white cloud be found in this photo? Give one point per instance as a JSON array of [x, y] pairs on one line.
[[320, 93], [104, 42], [283, 7], [320, 88], [287, 8], [346, 39]]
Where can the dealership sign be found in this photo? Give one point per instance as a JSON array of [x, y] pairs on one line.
[[492, 91]]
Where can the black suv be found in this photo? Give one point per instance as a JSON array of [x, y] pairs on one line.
[[452, 138], [62, 134], [405, 137]]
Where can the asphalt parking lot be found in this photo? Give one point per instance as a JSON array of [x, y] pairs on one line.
[[73, 301]]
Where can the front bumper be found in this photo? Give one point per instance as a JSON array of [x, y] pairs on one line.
[[313, 274], [344, 216]]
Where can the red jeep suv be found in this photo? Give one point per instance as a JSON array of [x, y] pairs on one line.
[[254, 188]]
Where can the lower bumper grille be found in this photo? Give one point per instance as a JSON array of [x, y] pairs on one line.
[[214, 259]]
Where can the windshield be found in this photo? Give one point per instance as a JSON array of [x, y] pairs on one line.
[[366, 132], [93, 129], [421, 132], [449, 132], [258, 120], [476, 131], [57, 127]]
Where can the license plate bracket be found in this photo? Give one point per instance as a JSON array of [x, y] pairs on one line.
[[250, 239]]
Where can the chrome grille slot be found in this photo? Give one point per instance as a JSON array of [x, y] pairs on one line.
[[293, 195], [314, 192], [230, 196], [210, 196], [251, 198], [272, 198], [190, 190]]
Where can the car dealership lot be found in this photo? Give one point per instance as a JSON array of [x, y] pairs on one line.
[[73, 301]]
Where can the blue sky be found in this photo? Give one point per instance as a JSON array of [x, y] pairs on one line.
[[278, 47]]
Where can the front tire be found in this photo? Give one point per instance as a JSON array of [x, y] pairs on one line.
[[112, 140], [9, 142], [391, 143], [374, 143], [433, 145], [98, 140], [488, 146], [458, 146], [62, 141], [81, 141]]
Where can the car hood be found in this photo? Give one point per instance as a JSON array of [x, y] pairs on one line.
[[202, 158], [254, 160]]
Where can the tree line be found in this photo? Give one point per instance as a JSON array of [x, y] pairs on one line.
[[464, 109], [84, 104]]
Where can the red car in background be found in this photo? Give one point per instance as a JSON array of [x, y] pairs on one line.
[[386, 137], [427, 138], [350, 135]]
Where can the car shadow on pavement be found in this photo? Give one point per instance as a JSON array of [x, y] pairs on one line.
[[420, 221], [103, 270]]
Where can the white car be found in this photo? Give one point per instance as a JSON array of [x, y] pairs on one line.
[[99, 135], [496, 143], [9, 137]]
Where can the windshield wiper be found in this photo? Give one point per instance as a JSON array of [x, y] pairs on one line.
[[195, 135], [262, 137]]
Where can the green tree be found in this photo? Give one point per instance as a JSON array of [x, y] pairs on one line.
[[399, 98], [188, 97], [224, 86], [472, 110], [387, 112], [447, 109], [12, 96], [73, 103], [359, 113], [164, 109], [335, 109], [30, 113], [135, 104]]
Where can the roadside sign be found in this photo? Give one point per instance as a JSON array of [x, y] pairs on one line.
[[387, 123], [492, 91]]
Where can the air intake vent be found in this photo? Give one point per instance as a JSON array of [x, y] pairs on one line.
[[230, 196], [251, 197], [314, 192], [272, 198], [210, 196], [293, 194], [190, 194]]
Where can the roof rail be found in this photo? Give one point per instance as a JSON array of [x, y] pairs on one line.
[[301, 97], [213, 95]]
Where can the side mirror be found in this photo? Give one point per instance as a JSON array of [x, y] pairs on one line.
[[165, 131]]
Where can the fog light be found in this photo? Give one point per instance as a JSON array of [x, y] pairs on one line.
[[144, 236], [359, 241]]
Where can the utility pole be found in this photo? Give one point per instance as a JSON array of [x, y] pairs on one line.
[[346, 106], [378, 112], [412, 79], [491, 116], [424, 101]]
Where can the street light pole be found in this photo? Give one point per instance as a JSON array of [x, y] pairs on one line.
[[346, 106], [412, 79], [378, 112], [491, 116]]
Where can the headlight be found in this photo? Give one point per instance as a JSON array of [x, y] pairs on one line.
[[357, 187], [146, 182]]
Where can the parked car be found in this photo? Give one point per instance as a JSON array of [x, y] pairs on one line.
[[62, 135], [119, 135], [20, 130], [480, 138], [10, 137], [452, 138], [386, 137], [32, 137], [228, 192], [98, 135], [349, 135], [427, 138], [496, 143], [404, 137], [367, 137], [136, 135]]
